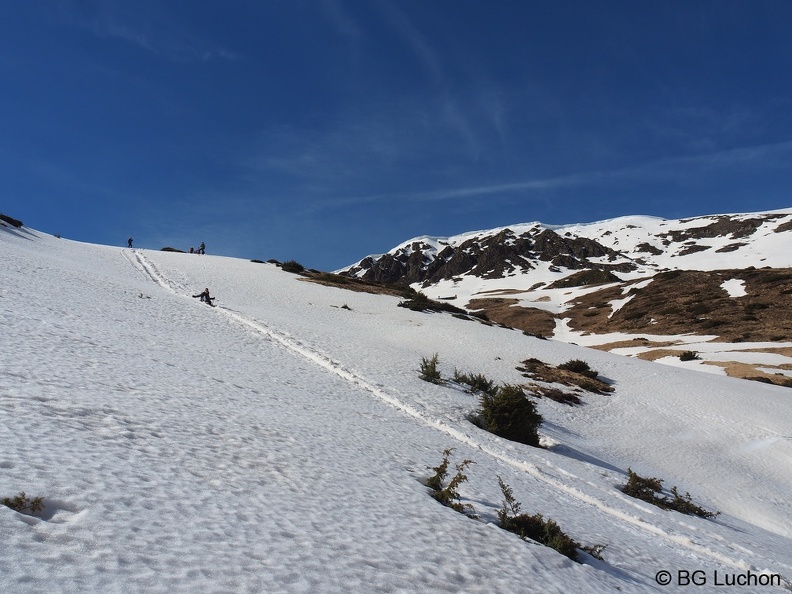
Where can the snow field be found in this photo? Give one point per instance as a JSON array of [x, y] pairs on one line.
[[278, 443]]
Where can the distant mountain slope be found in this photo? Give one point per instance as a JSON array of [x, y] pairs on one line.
[[725, 277]]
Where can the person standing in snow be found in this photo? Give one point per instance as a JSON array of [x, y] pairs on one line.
[[205, 296], [129, 242], [202, 248]]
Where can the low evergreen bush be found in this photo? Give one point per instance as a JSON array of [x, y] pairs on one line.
[[689, 356], [509, 413], [650, 490], [24, 505], [429, 372], [578, 366], [535, 527], [476, 382], [449, 495], [292, 266]]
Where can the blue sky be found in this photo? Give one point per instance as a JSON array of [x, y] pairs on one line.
[[325, 130]]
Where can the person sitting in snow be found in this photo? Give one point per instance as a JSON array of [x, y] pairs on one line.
[[205, 296]]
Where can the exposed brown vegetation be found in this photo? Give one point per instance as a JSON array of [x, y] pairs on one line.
[[507, 312], [693, 302], [354, 284], [539, 370]]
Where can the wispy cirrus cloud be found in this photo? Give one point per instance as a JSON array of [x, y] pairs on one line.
[[154, 30], [675, 168]]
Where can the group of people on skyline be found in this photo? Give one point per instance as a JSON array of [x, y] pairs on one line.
[[201, 248]]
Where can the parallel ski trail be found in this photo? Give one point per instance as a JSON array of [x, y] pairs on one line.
[[317, 358]]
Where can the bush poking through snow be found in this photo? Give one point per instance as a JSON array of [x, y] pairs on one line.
[[580, 367], [535, 527], [24, 505], [449, 495], [429, 372], [509, 413], [572, 373], [650, 489], [476, 382], [689, 356], [292, 266]]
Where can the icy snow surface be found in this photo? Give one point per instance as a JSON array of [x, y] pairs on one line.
[[279, 442]]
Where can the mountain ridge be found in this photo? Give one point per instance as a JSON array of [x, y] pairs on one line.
[[638, 276]]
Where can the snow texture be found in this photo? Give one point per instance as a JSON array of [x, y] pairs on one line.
[[280, 442]]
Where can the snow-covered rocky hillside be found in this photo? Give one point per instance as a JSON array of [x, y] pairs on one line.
[[719, 285], [280, 442]]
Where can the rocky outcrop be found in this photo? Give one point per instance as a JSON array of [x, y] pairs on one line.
[[489, 256]]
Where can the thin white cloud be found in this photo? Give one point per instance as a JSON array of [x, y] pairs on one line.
[[152, 33], [344, 24], [420, 47], [774, 154]]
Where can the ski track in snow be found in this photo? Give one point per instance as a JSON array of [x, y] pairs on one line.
[[147, 268]]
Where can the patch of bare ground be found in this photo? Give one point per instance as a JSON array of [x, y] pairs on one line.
[[553, 394], [749, 371], [635, 342], [752, 372], [694, 302], [500, 292], [541, 371], [506, 311], [656, 354], [353, 284]]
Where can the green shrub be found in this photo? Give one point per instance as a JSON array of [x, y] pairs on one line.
[[292, 266], [477, 382], [429, 372], [650, 490], [509, 413], [535, 527], [578, 366], [449, 495], [23, 504], [689, 356]]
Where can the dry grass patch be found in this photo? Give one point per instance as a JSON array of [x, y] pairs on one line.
[[507, 312], [751, 371], [329, 279], [633, 343], [553, 394], [538, 370]]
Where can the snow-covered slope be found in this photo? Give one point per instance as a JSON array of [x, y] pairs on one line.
[[623, 279], [279, 442], [635, 246]]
